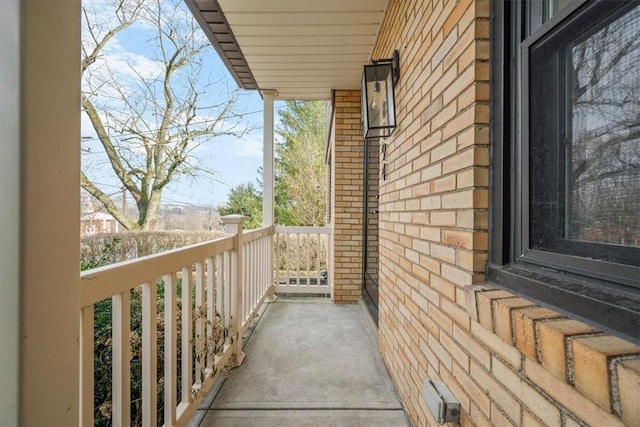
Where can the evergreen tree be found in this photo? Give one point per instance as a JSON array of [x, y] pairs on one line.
[[245, 199]]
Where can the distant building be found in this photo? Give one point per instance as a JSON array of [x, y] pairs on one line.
[[97, 223]]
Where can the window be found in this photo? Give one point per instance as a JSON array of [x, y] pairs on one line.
[[566, 198]]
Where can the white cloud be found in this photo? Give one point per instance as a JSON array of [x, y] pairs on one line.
[[249, 146], [131, 65]]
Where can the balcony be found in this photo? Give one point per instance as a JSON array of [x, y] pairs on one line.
[[308, 360]]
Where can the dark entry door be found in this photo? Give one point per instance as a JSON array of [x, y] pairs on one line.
[[371, 213]]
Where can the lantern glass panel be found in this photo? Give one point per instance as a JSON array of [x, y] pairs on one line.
[[379, 115]]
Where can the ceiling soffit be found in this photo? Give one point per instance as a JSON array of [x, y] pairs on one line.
[[301, 48]]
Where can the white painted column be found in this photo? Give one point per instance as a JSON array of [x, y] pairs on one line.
[[9, 210], [268, 181], [49, 212]]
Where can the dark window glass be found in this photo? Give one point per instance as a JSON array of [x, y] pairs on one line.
[[603, 128], [584, 139]]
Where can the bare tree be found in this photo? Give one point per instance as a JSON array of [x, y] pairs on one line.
[[150, 111]]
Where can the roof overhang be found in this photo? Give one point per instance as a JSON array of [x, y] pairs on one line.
[[303, 49]]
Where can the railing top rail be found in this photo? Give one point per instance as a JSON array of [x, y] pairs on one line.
[[251, 235], [282, 229], [104, 282]]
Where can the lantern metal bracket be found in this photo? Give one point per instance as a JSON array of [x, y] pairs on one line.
[[395, 65]]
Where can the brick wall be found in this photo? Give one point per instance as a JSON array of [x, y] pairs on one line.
[[508, 360], [347, 197]]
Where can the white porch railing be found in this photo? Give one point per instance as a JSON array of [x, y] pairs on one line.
[[301, 260], [218, 285]]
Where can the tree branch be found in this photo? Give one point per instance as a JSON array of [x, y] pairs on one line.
[[111, 207]]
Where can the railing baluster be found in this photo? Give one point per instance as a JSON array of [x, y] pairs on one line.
[[255, 267], [319, 256], [248, 283], [254, 275], [87, 333], [245, 284], [236, 297], [298, 259], [170, 354], [201, 316], [260, 266], [328, 257], [121, 373], [187, 336], [227, 292], [287, 237], [212, 305], [266, 255], [221, 291], [276, 266], [149, 356], [308, 251]]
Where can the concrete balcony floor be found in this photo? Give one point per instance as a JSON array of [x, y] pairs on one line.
[[309, 363]]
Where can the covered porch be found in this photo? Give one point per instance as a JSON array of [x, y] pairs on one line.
[[457, 304]]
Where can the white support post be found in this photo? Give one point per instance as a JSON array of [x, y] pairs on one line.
[[268, 181], [233, 226], [43, 40]]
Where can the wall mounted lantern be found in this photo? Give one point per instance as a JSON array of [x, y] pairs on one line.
[[378, 104]]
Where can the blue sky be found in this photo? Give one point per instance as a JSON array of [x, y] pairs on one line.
[[232, 160]]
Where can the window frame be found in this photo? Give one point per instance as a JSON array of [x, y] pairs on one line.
[[601, 293]]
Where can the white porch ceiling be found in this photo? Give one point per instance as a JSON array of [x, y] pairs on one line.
[[301, 48]]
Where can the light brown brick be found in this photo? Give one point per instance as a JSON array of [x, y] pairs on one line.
[[499, 395], [478, 418], [553, 343], [524, 326], [455, 15], [472, 389], [591, 359], [499, 419], [528, 420], [570, 422], [569, 397], [457, 313], [628, 381], [473, 347], [498, 345], [484, 306], [444, 287], [502, 319], [458, 354]]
